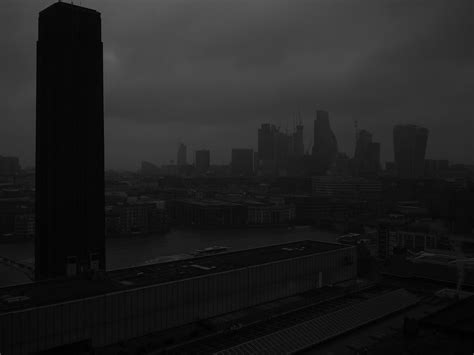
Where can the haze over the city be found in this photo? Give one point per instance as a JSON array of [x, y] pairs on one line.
[[208, 73]]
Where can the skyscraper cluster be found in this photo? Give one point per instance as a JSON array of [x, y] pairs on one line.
[[283, 154], [276, 148]]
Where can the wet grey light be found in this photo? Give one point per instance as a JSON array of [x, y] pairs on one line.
[[69, 142]]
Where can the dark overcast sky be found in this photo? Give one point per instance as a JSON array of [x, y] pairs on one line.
[[208, 72]]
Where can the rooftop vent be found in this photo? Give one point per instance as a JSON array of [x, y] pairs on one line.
[[293, 249], [200, 267], [14, 299]]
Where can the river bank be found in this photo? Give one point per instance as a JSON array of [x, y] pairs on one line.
[[129, 251]]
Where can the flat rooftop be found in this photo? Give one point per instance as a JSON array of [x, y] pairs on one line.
[[62, 6], [455, 318], [61, 290]]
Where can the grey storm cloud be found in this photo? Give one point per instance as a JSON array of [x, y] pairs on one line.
[[210, 72]]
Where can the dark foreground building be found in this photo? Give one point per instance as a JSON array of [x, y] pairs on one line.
[[69, 142], [130, 303]]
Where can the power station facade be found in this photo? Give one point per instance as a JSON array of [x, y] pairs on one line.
[[134, 302], [70, 231]]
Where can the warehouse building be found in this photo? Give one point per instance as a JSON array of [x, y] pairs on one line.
[[128, 303]]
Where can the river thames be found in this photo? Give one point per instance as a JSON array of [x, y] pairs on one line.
[[129, 251]]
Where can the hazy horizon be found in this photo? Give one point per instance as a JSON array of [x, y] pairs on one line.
[[208, 73]]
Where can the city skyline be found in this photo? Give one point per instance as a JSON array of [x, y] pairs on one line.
[[211, 94], [293, 247]]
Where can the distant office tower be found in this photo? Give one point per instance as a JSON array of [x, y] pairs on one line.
[[367, 155], [298, 146], [267, 141], [409, 145], [275, 148], [9, 166], [325, 143], [203, 160], [182, 155], [69, 142], [242, 162], [267, 148]]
